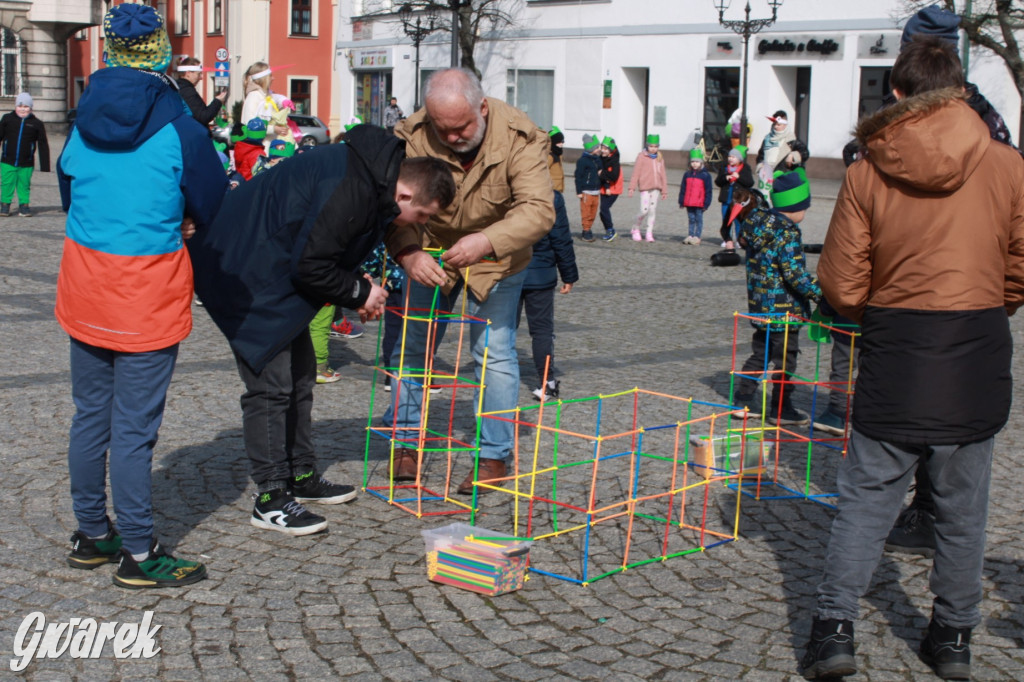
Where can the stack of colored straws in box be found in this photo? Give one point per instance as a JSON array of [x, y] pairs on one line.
[[473, 559]]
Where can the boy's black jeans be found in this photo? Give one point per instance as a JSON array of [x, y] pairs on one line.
[[767, 347]]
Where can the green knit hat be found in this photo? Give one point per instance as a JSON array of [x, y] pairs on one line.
[[281, 148], [696, 153], [790, 191], [589, 142], [554, 131], [608, 142], [654, 139]]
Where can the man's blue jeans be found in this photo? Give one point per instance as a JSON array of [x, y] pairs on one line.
[[119, 405], [501, 385], [872, 481]]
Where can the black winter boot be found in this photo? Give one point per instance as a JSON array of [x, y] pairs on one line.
[[830, 651], [948, 651]]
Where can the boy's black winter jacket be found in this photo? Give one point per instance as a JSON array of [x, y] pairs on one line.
[[553, 254], [292, 239], [19, 139]]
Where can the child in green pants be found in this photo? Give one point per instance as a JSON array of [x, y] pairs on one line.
[[320, 332], [21, 133]]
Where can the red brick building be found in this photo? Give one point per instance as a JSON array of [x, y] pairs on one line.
[[296, 37]]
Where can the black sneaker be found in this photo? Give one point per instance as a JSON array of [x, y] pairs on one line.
[[913, 533], [314, 488], [948, 651], [278, 510], [5, 210], [830, 651], [159, 569], [551, 393], [788, 416], [588, 236], [24, 211], [88, 553]]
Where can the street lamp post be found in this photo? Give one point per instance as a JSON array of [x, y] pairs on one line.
[[417, 29], [745, 28]]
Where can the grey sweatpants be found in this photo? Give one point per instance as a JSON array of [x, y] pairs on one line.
[[872, 482]]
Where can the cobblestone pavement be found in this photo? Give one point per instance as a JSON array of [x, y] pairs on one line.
[[355, 602]]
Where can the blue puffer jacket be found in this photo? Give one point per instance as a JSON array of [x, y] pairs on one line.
[[777, 277], [553, 254], [292, 239]]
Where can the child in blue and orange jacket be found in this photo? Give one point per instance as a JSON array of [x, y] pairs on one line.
[[695, 195]]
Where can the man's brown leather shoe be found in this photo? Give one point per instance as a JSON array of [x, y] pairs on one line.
[[489, 468], [405, 464]]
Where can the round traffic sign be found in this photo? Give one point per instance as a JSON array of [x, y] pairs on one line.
[[222, 54]]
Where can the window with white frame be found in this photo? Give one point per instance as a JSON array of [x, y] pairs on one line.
[[10, 63], [302, 17], [300, 91], [532, 91], [216, 18], [183, 18]]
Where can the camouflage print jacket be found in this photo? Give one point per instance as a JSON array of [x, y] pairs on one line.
[[777, 277]]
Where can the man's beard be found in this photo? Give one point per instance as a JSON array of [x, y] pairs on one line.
[[465, 146]]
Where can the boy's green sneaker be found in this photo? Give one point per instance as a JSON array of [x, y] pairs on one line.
[[88, 553], [160, 569]]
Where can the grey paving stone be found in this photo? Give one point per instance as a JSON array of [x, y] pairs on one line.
[[355, 602]]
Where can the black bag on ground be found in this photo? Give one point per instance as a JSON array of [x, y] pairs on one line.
[[725, 258]]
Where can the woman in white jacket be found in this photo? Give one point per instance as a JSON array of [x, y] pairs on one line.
[[261, 101]]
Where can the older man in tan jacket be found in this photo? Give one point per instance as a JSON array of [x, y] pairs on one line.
[[502, 206]]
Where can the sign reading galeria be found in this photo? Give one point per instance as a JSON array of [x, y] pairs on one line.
[[802, 46]]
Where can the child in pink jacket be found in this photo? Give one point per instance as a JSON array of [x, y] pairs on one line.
[[649, 177]]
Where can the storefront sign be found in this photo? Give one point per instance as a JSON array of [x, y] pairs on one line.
[[607, 102], [725, 47], [380, 58], [878, 45], [798, 47]]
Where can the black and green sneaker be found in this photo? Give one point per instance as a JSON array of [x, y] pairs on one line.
[[311, 487], [159, 569], [88, 553]]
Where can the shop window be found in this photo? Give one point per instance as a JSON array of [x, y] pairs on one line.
[[721, 98], [874, 86], [301, 90], [532, 91], [302, 17]]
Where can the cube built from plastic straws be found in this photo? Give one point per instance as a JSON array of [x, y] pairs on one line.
[[786, 477], [448, 429], [613, 482]]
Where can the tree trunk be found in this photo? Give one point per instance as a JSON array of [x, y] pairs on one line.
[[467, 38]]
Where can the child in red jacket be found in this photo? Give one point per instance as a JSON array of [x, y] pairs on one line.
[[695, 195]]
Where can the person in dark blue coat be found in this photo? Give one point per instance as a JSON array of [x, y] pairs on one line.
[[553, 255], [282, 245]]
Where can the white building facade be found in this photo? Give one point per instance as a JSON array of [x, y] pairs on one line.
[[627, 68]]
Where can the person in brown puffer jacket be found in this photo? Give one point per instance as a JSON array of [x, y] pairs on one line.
[[926, 250]]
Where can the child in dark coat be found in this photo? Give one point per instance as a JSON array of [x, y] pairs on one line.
[[695, 195], [778, 282], [553, 255], [21, 133], [588, 185], [736, 173]]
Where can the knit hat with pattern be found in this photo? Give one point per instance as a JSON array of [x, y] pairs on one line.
[[135, 37]]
